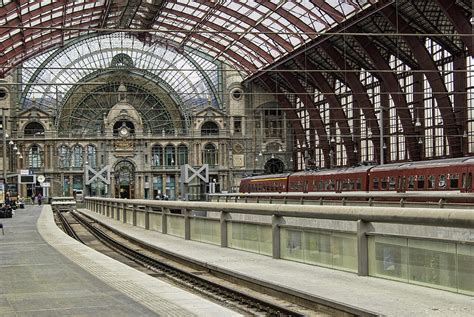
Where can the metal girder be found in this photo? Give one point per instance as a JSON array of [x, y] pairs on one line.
[[287, 106], [128, 13], [219, 47], [359, 93], [320, 82], [451, 129], [266, 56], [315, 116], [460, 22], [290, 18], [336, 15], [393, 87], [277, 38]]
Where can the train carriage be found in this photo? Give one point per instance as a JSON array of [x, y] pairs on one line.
[[436, 175]]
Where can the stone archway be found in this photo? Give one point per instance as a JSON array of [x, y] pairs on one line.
[[124, 174], [274, 166]]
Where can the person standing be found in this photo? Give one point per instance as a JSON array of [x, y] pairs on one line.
[[39, 199]]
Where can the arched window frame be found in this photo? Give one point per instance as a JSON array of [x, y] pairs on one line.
[[34, 159], [64, 156], [170, 155], [157, 155], [77, 158], [210, 154], [182, 154], [210, 128], [91, 152], [35, 131]]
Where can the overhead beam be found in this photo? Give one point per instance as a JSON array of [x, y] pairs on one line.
[[398, 96], [319, 81], [360, 94], [451, 130]]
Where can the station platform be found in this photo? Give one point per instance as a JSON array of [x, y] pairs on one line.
[[44, 272], [379, 296]]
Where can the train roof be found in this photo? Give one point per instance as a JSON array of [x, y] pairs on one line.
[[268, 176], [425, 164], [345, 170]]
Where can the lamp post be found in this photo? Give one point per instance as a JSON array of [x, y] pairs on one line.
[[4, 139]]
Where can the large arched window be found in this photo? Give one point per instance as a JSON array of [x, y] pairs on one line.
[[34, 129], [157, 155], [64, 157], [209, 128], [91, 156], [77, 156], [182, 154], [210, 154], [170, 158], [34, 159]]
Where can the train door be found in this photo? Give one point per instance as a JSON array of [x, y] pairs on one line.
[[401, 184], [469, 182], [305, 185]]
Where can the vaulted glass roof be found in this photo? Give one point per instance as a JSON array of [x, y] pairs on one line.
[[48, 77], [247, 34]]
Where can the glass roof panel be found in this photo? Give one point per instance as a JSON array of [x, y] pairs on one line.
[[71, 65], [287, 21]]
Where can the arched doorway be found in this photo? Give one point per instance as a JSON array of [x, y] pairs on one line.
[[274, 166], [124, 180]]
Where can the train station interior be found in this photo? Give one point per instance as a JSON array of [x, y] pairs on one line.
[[236, 158], [113, 97]]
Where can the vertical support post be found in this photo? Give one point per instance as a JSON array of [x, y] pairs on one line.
[[117, 211], [134, 215], [164, 220], [187, 224], [4, 144], [362, 248], [124, 212], [225, 216], [147, 217], [276, 222]]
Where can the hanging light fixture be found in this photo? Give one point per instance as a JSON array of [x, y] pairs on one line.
[[15, 148], [11, 142]]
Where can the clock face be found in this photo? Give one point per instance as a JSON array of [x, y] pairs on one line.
[[123, 132]]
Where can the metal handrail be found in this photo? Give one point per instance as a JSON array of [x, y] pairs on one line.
[[460, 218]]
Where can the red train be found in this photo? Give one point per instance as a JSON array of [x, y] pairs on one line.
[[437, 175]]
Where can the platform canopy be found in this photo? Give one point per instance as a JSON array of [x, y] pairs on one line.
[[247, 34]]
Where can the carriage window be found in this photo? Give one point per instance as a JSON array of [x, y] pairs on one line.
[[392, 182], [442, 181], [431, 181], [411, 182], [321, 185], [351, 184], [358, 184], [454, 181], [383, 180], [421, 182], [376, 183], [331, 185]]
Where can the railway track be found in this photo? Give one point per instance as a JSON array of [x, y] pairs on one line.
[[228, 291]]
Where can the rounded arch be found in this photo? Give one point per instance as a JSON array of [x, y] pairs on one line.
[[182, 154], [210, 154], [157, 154], [170, 154], [64, 156], [210, 128], [33, 128], [77, 156], [34, 157], [274, 166], [124, 174]]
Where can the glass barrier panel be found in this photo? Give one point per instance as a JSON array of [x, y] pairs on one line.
[[175, 225], [155, 222], [206, 230]]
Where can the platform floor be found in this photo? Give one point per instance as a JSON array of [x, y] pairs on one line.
[[380, 296], [44, 272]]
